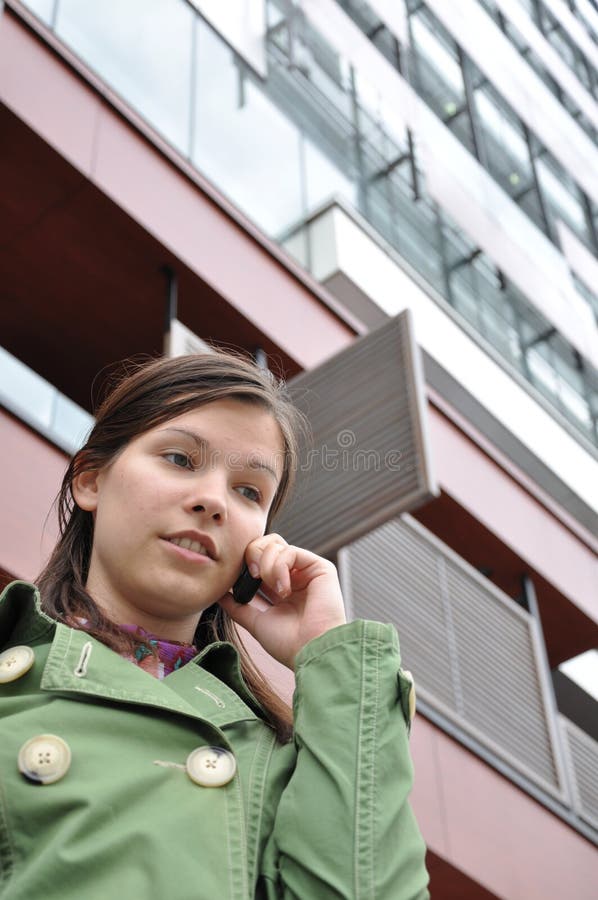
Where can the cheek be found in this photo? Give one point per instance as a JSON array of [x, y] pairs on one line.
[[140, 494]]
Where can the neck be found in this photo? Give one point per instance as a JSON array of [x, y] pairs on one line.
[[121, 611]]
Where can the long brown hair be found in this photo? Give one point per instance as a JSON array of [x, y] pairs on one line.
[[147, 395]]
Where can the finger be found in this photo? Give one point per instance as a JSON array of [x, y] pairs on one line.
[[256, 549], [275, 565]]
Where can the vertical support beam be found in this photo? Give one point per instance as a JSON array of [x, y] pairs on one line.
[[362, 183], [193, 87], [402, 69], [561, 756], [587, 396], [538, 187], [261, 358], [446, 273], [171, 304], [472, 113]]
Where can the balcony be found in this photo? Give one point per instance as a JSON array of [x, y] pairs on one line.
[[479, 663]]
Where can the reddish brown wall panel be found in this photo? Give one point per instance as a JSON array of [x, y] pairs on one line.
[[30, 474]]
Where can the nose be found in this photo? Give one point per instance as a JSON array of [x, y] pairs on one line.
[[210, 509], [209, 497]]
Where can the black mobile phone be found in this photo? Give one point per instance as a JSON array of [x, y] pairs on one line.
[[246, 586]]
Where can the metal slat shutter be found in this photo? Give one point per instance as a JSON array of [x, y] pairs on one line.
[[370, 458], [583, 754], [474, 652]]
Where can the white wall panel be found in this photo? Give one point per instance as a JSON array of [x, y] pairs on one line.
[[394, 15], [574, 28], [580, 260]]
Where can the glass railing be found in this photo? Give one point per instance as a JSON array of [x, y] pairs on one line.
[[34, 400], [315, 122], [390, 192]]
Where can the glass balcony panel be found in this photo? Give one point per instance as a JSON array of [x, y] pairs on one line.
[[70, 422], [41, 405], [576, 404], [141, 48], [498, 332], [327, 71], [43, 9], [324, 179], [24, 392], [543, 374], [243, 143], [464, 298], [410, 227]]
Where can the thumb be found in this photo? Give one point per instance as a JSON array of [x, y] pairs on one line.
[[244, 614]]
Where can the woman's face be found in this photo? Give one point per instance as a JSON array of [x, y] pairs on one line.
[[175, 511]]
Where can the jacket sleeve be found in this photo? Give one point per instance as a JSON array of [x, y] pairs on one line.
[[344, 827]]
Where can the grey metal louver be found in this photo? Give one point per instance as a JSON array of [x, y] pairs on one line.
[[474, 653], [583, 756], [370, 458]]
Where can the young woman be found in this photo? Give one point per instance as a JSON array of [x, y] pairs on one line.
[[142, 755]]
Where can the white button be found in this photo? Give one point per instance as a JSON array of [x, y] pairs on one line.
[[44, 759], [15, 662], [412, 700], [211, 766]]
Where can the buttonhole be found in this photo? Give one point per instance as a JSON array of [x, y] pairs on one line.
[[212, 696], [81, 669], [168, 765]]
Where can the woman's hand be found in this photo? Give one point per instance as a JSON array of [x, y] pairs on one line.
[[303, 589]]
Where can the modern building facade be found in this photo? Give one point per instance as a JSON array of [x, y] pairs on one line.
[[395, 204]]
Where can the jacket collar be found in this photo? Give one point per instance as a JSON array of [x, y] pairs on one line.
[[210, 686]]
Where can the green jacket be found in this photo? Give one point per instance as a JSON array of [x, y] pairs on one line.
[[324, 817]]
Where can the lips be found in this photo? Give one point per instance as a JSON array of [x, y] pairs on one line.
[[194, 541]]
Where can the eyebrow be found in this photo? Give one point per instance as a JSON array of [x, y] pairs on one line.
[[203, 445]]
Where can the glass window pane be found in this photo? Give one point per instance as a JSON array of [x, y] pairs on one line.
[[439, 74], [142, 48], [562, 196], [43, 9], [323, 179], [243, 143], [504, 141], [71, 423], [23, 391]]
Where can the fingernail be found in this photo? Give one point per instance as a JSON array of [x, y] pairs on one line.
[[280, 588], [254, 569]]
